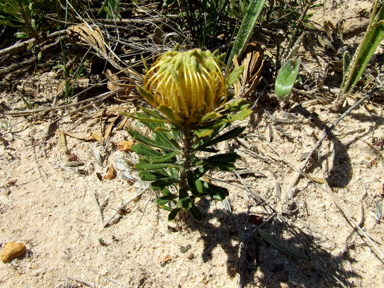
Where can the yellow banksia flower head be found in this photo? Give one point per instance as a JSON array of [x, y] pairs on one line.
[[185, 86]]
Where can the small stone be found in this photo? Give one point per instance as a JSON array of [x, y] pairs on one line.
[[190, 255], [185, 249], [72, 157], [12, 250], [125, 145]]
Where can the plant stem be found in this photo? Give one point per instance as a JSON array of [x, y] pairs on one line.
[[187, 158]]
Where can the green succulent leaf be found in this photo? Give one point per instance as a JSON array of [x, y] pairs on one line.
[[286, 78]]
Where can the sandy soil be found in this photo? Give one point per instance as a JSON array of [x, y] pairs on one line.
[[58, 211]]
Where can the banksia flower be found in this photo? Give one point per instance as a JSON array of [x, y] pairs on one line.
[[185, 86]]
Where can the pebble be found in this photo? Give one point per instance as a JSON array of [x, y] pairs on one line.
[[184, 249], [12, 250], [190, 255]]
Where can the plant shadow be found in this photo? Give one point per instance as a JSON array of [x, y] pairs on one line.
[[308, 264]]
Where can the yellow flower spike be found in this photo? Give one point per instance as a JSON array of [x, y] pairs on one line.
[[190, 84]]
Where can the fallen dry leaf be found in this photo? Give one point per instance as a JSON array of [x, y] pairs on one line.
[[125, 145], [12, 250], [111, 173]]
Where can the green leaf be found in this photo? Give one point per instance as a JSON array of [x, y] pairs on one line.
[[203, 132], [372, 38], [161, 159], [209, 116], [168, 112], [161, 201], [137, 136], [151, 176], [184, 199], [229, 135], [228, 157], [142, 165], [145, 150], [194, 184], [286, 78], [173, 214], [161, 184], [155, 120], [147, 96], [216, 192], [196, 213], [246, 29], [234, 76], [221, 166], [152, 113], [241, 115]]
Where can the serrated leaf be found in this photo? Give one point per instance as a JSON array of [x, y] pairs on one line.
[[241, 115], [229, 135], [286, 78]]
